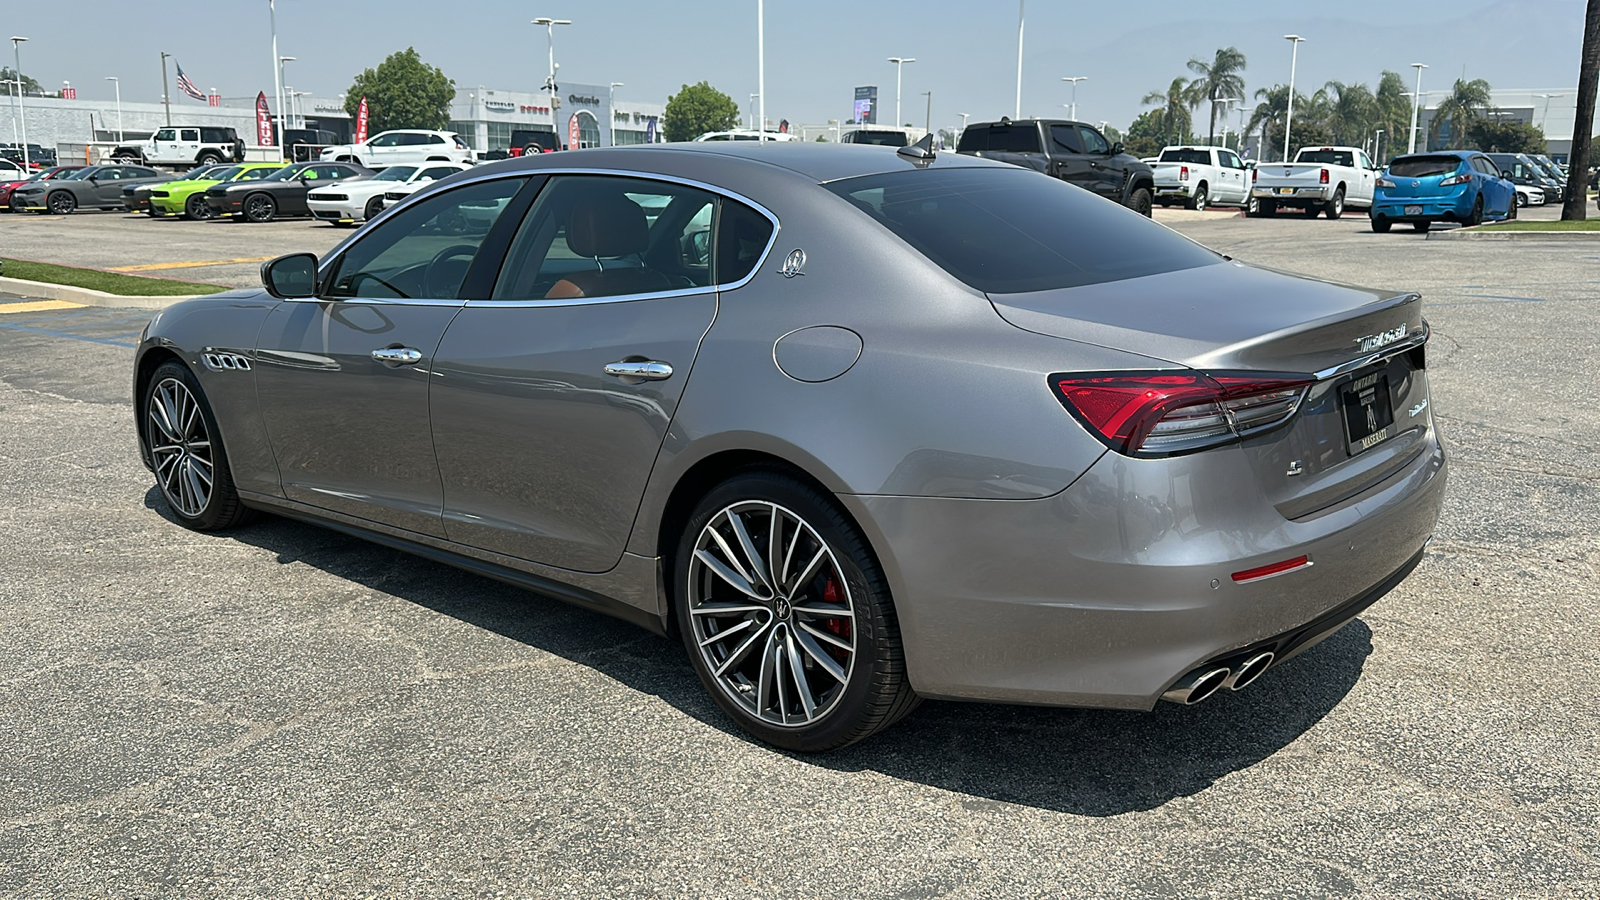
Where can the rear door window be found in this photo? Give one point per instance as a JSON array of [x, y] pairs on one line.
[[742, 238], [190, 135], [1004, 230]]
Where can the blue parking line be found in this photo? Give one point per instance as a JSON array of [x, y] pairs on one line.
[[65, 334]]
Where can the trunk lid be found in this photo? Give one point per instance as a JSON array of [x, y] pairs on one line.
[[1236, 318]]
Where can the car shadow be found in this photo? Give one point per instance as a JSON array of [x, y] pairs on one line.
[[1081, 761]]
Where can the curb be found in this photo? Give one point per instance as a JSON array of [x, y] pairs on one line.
[[43, 291], [1473, 234]]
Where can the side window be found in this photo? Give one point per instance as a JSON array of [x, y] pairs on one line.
[[426, 249], [1229, 161], [1093, 143], [436, 173], [437, 139], [254, 174], [1362, 160], [167, 134], [190, 135], [1065, 139], [1491, 168], [113, 173], [605, 236], [742, 236], [412, 140], [383, 140]]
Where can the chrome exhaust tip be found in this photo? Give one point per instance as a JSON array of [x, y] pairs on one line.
[[1197, 686], [1250, 670]]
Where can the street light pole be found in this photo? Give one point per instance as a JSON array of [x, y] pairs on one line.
[[1544, 120], [1416, 108], [22, 114], [550, 85], [117, 82], [899, 63], [1377, 144], [611, 103], [1288, 119], [283, 99], [761, 68], [1022, 6], [750, 110], [927, 117], [1075, 79], [277, 74]]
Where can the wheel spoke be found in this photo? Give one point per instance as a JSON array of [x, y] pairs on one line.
[[797, 668], [764, 680], [819, 655], [749, 548], [793, 586], [738, 655], [774, 538], [732, 557], [726, 574], [778, 679], [160, 419], [728, 632], [825, 612], [713, 608], [825, 636]]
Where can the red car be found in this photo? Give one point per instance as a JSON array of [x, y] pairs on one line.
[[10, 184]]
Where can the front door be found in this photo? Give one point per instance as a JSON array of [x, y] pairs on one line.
[[553, 398], [1067, 160], [344, 378], [1106, 174]]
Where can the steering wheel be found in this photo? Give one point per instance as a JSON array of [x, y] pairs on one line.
[[442, 279]]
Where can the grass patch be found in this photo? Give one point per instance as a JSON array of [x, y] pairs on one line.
[[110, 282], [1585, 225]]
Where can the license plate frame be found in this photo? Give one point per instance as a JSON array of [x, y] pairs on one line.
[[1285, 190], [1367, 408], [1413, 210]]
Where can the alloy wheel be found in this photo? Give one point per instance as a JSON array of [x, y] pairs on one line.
[[180, 447], [62, 203], [772, 613]]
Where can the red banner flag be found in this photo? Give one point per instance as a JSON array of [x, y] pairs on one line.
[[361, 122], [574, 133], [213, 98], [263, 122]]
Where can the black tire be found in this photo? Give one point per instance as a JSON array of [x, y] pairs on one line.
[[61, 203], [873, 692], [1511, 211], [1268, 208], [1198, 201], [177, 445], [208, 157], [1421, 226], [1140, 201], [16, 204], [1335, 207], [1476, 217], [1381, 224], [374, 206], [196, 208], [259, 207], [1522, 199], [1312, 211]]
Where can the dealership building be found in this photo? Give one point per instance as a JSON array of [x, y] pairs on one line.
[[485, 118]]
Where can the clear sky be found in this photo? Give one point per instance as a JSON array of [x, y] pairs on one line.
[[817, 51]]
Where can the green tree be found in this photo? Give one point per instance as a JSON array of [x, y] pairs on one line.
[[1352, 111], [1268, 117], [696, 109], [1392, 113], [1508, 136], [8, 83], [1466, 105], [1572, 209], [402, 92], [1150, 132], [1219, 80], [1173, 116]]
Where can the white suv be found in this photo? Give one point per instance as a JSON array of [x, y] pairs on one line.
[[185, 145], [403, 147]]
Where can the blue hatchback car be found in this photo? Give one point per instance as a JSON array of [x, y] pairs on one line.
[[1442, 186]]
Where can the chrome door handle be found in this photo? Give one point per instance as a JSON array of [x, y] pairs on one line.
[[644, 369], [398, 356]]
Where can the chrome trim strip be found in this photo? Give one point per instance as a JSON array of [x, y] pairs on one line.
[[587, 301], [376, 301], [1411, 343]]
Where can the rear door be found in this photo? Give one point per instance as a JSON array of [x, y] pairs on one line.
[[554, 396]]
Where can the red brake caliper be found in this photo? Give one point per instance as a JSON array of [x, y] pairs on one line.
[[840, 627]]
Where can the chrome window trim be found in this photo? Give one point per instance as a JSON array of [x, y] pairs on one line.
[[377, 301], [766, 252]]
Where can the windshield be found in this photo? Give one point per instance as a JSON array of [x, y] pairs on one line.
[[1198, 157], [79, 175], [223, 174], [1327, 157], [1423, 166], [395, 173], [1008, 230], [1546, 168]]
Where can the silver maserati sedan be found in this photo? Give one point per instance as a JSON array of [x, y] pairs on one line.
[[861, 426]]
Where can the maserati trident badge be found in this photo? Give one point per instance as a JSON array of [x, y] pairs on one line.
[[793, 264]]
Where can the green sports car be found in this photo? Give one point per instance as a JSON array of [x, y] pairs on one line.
[[187, 198]]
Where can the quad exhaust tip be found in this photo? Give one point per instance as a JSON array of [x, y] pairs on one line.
[[1250, 670], [1198, 685]]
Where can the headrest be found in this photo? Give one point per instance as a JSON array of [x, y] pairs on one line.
[[607, 225]]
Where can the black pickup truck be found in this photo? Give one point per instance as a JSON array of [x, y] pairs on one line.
[[1071, 151]]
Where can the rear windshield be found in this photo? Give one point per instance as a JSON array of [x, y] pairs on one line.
[[1198, 157], [1327, 157], [1006, 231], [1423, 166], [1022, 138], [881, 138]]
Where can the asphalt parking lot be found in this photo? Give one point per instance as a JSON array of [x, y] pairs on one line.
[[283, 711]]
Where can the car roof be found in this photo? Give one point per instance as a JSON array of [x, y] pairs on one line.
[[816, 162]]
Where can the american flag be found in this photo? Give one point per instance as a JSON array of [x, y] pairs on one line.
[[187, 86]]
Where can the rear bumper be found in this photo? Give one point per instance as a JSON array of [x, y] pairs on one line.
[[1302, 196], [1107, 593], [1448, 208]]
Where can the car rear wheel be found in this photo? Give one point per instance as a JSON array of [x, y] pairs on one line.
[[1381, 224], [1522, 199], [260, 208], [186, 451], [61, 203], [1198, 201], [1511, 210], [1335, 207], [195, 208], [1421, 226], [787, 617], [1311, 212], [374, 206], [1140, 201], [208, 157], [1252, 207], [1476, 218]]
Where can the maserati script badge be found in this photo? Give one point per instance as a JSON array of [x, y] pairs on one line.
[[1381, 339]]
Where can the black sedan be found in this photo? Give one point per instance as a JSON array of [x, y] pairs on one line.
[[283, 193], [94, 187]]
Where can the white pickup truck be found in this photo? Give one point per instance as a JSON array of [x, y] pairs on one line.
[[1200, 176], [1320, 180]]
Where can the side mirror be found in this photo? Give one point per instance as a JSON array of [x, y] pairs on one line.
[[291, 277], [1116, 148]]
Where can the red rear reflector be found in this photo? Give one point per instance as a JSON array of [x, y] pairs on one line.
[[1277, 568]]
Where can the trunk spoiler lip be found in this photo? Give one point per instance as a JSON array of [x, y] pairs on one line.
[[1415, 339]]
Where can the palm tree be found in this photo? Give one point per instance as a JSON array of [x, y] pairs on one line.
[[1465, 105], [1351, 111], [1588, 84], [1218, 80], [1174, 114], [1270, 112], [1393, 110]]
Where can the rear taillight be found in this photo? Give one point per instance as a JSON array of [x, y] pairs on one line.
[[1183, 173], [1253, 174], [1458, 178], [1165, 413], [1323, 177], [1384, 182]]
